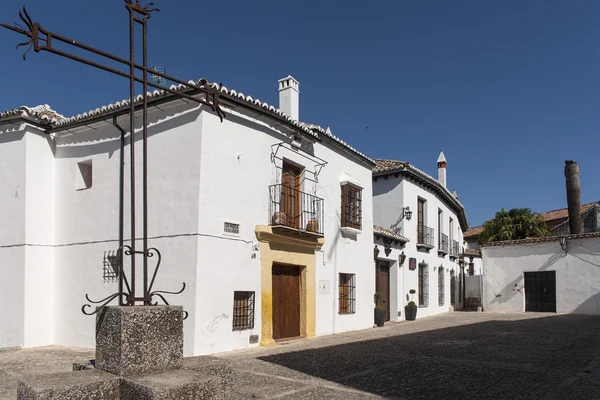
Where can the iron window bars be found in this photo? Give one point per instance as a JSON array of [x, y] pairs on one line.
[[423, 284], [351, 207], [425, 236], [347, 294], [293, 208], [243, 311], [443, 243], [441, 287]]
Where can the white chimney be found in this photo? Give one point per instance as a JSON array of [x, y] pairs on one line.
[[289, 97], [441, 164]]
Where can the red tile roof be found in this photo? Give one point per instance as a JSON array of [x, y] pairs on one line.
[[390, 234], [542, 239]]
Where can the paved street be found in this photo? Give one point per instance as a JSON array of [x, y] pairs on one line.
[[454, 356]]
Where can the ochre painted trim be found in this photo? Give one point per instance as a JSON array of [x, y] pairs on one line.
[[292, 250]]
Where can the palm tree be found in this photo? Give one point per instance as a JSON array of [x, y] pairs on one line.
[[518, 223]]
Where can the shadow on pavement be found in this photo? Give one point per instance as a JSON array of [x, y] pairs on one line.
[[524, 359]]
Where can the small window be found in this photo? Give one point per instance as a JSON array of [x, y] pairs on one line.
[[243, 311], [471, 269], [84, 175], [347, 290], [351, 207]]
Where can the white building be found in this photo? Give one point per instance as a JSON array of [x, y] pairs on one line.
[[234, 207], [472, 254], [428, 243], [549, 274]]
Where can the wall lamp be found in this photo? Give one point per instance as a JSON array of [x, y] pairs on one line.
[[375, 252], [402, 258], [406, 213], [563, 243]]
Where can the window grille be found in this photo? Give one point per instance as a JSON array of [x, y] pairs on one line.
[[351, 207], [441, 287], [243, 311], [111, 265], [347, 294], [423, 284]]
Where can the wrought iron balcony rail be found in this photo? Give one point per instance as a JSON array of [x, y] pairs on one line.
[[454, 249], [295, 209], [425, 236], [443, 243]]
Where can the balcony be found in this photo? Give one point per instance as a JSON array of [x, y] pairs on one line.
[[454, 249], [425, 237], [295, 211], [443, 243]]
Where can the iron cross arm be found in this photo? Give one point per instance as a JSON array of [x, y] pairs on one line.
[[41, 39]]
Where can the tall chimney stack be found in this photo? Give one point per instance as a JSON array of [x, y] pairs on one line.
[[441, 164], [289, 97], [573, 196]]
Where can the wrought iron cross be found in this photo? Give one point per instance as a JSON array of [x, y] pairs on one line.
[[39, 39]]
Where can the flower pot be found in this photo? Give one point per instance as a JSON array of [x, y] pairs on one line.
[[379, 317], [410, 312], [313, 226], [278, 218]]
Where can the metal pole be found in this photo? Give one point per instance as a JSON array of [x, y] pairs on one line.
[[145, 161], [131, 297], [121, 205]]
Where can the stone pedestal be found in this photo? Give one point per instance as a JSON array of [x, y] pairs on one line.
[[140, 339], [139, 356]]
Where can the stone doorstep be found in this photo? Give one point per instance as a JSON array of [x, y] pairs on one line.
[[81, 385], [176, 385], [201, 378]]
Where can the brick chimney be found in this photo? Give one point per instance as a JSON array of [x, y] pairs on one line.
[[441, 164], [289, 97], [573, 196]]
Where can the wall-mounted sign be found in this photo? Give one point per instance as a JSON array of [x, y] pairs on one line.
[[231, 228], [324, 287], [412, 263]]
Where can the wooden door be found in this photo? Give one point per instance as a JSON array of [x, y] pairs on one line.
[[420, 221], [290, 195], [540, 291], [382, 285], [286, 301]]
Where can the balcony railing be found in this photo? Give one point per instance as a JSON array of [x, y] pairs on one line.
[[295, 209], [443, 243], [425, 237], [454, 249]]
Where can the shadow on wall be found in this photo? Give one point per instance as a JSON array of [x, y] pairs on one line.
[[516, 286], [489, 359], [590, 306]]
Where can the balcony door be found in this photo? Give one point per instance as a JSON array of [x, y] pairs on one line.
[[290, 194], [421, 221]]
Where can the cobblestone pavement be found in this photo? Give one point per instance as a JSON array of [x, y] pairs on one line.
[[452, 356]]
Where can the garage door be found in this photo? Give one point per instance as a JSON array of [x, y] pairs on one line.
[[540, 291]]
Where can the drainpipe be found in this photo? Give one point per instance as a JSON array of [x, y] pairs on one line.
[[121, 196]]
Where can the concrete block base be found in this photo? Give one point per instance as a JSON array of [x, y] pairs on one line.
[[79, 385], [139, 339], [176, 385]]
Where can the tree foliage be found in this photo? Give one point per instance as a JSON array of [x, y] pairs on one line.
[[518, 223]]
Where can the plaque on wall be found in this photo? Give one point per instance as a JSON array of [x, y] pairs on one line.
[[412, 263]]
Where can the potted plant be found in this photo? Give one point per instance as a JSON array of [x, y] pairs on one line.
[[379, 311], [410, 311], [313, 222], [278, 218]]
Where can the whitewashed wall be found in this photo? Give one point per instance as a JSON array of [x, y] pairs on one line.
[[236, 173], [201, 173], [577, 275], [389, 197], [12, 235]]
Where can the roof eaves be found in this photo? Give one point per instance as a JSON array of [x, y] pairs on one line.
[[541, 239]]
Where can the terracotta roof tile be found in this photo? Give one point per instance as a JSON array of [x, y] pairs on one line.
[[564, 212], [542, 239], [390, 234], [58, 121], [473, 232]]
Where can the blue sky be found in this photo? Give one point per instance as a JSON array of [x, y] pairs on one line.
[[508, 89]]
